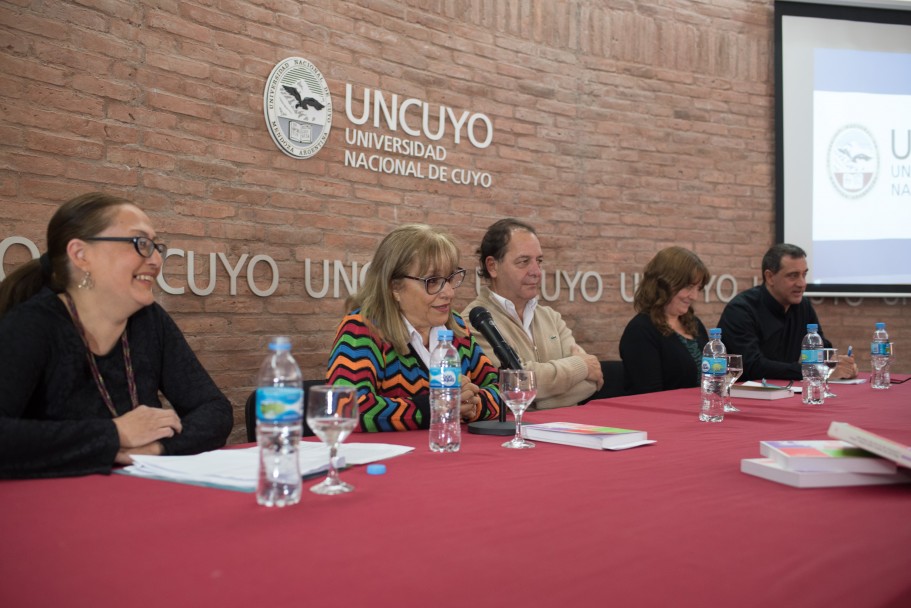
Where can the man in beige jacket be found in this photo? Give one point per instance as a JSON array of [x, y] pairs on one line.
[[510, 259]]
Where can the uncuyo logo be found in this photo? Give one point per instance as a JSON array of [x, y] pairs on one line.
[[298, 107], [853, 161]]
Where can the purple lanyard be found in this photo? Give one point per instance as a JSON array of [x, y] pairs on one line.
[[96, 374]]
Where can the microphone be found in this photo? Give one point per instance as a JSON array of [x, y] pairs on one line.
[[482, 321]]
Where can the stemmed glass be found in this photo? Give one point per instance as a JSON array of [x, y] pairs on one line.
[[829, 360], [518, 389], [735, 368], [332, 414]]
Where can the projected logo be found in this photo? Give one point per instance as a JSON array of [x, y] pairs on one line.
[[297, 107], [853, 161]]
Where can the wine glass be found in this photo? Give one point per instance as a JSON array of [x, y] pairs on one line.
[[332, 413], [735, 368], [829, 360], [518, 389]]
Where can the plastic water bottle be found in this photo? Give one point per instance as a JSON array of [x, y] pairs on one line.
[[811, 364], [279, 420], [714, 370], [880, 357], [445, 395]]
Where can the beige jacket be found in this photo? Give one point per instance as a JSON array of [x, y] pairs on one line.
[[560, 374]]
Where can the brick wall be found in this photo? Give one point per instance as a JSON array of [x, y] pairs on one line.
[[617, 131]]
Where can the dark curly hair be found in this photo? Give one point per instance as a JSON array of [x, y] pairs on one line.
[[671, 270]]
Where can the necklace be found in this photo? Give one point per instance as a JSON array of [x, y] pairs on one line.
[[93, 365]]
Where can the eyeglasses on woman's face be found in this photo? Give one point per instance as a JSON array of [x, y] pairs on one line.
[[434, 285], [144, 245]]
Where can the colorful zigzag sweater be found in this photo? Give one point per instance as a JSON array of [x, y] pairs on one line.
[[393, 388]]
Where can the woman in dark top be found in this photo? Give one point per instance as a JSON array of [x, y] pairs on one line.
[[661, 346], [85, 352]]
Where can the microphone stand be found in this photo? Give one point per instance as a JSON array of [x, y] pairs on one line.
[[501, 426], [482, 321]]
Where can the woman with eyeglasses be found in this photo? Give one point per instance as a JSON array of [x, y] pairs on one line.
[[383, 344], [85, 352]]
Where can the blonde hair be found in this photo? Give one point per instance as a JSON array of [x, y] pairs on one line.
[[409, 249], [671, 270]]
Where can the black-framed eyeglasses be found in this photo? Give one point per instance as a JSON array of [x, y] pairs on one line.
[[144, 245], [434, 285]]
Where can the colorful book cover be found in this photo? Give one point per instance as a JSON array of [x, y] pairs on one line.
[[581, 429], [586, 435], [824, 455], [882, 446]]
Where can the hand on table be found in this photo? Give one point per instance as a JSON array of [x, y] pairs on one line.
[[846, 368]]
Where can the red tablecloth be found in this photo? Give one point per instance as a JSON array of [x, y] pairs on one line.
[[675, 523]]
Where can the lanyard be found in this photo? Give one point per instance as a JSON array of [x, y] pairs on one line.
[[96, 374]]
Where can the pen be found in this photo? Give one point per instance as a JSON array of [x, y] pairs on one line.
[[850, 350]]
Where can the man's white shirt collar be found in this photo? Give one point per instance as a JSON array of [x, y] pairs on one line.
[[528, 314]]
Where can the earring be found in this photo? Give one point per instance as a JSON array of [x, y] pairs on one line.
[[86, 282]]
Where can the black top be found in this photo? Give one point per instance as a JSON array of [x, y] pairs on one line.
[[53, 421], [755, 325], [655, 362]]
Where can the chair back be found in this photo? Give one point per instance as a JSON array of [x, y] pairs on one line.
[[614, 379]]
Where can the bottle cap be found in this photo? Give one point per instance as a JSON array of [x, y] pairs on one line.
[[880, 326], [376, 469], [280, 343], [444, 334], [812, 327], [715, 331]]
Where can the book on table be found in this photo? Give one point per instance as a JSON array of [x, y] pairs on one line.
[[824, 455], [767, 468], [586, 435], [895, 451], [752, 390]]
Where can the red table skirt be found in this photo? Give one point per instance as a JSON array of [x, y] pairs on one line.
[[674, 523]]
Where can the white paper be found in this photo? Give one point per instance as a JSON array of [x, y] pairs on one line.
[[634, 444], [238, 469]]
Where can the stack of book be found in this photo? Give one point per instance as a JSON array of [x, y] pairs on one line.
[[586, 435], [832, 463], [754, 390]]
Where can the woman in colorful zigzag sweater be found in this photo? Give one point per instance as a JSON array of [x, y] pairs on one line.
[[383, 344]]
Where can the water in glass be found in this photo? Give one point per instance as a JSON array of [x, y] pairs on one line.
[[332, 413], [518, 390], [735, 369]]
